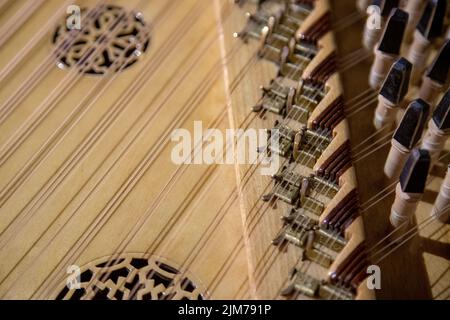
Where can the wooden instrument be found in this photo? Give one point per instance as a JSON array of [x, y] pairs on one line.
[[216, 149]]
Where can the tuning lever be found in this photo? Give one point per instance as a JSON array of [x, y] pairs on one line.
[[438, 129], [430, 27], [410, 189], [392, 93], [388, 48], [372, 34], [414, 9], [441, 209], [406, 137], [436, 78]]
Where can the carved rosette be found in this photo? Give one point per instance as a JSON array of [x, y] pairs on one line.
[[133, 277], [110, 39]]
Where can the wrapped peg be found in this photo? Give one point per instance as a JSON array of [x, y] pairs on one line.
[[441, 209], [430, 27], [436, 78], [388, 48], [372, 34], [406, 137], [410, 189], [392, 93], [438, 129], [415, 9]]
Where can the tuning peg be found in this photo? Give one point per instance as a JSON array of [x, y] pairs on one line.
[[441, 209], [372, 34], [414, 9], [392, 93], [431, 24], [437, 76], [388, 48], [410, 188], [430, 27], [438, 129], [406, 137]]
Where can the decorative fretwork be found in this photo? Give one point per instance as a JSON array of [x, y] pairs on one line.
[[110, 38], [133, 277]]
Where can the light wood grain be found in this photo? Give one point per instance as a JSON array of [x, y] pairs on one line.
[[49, 224], [86, 175]]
